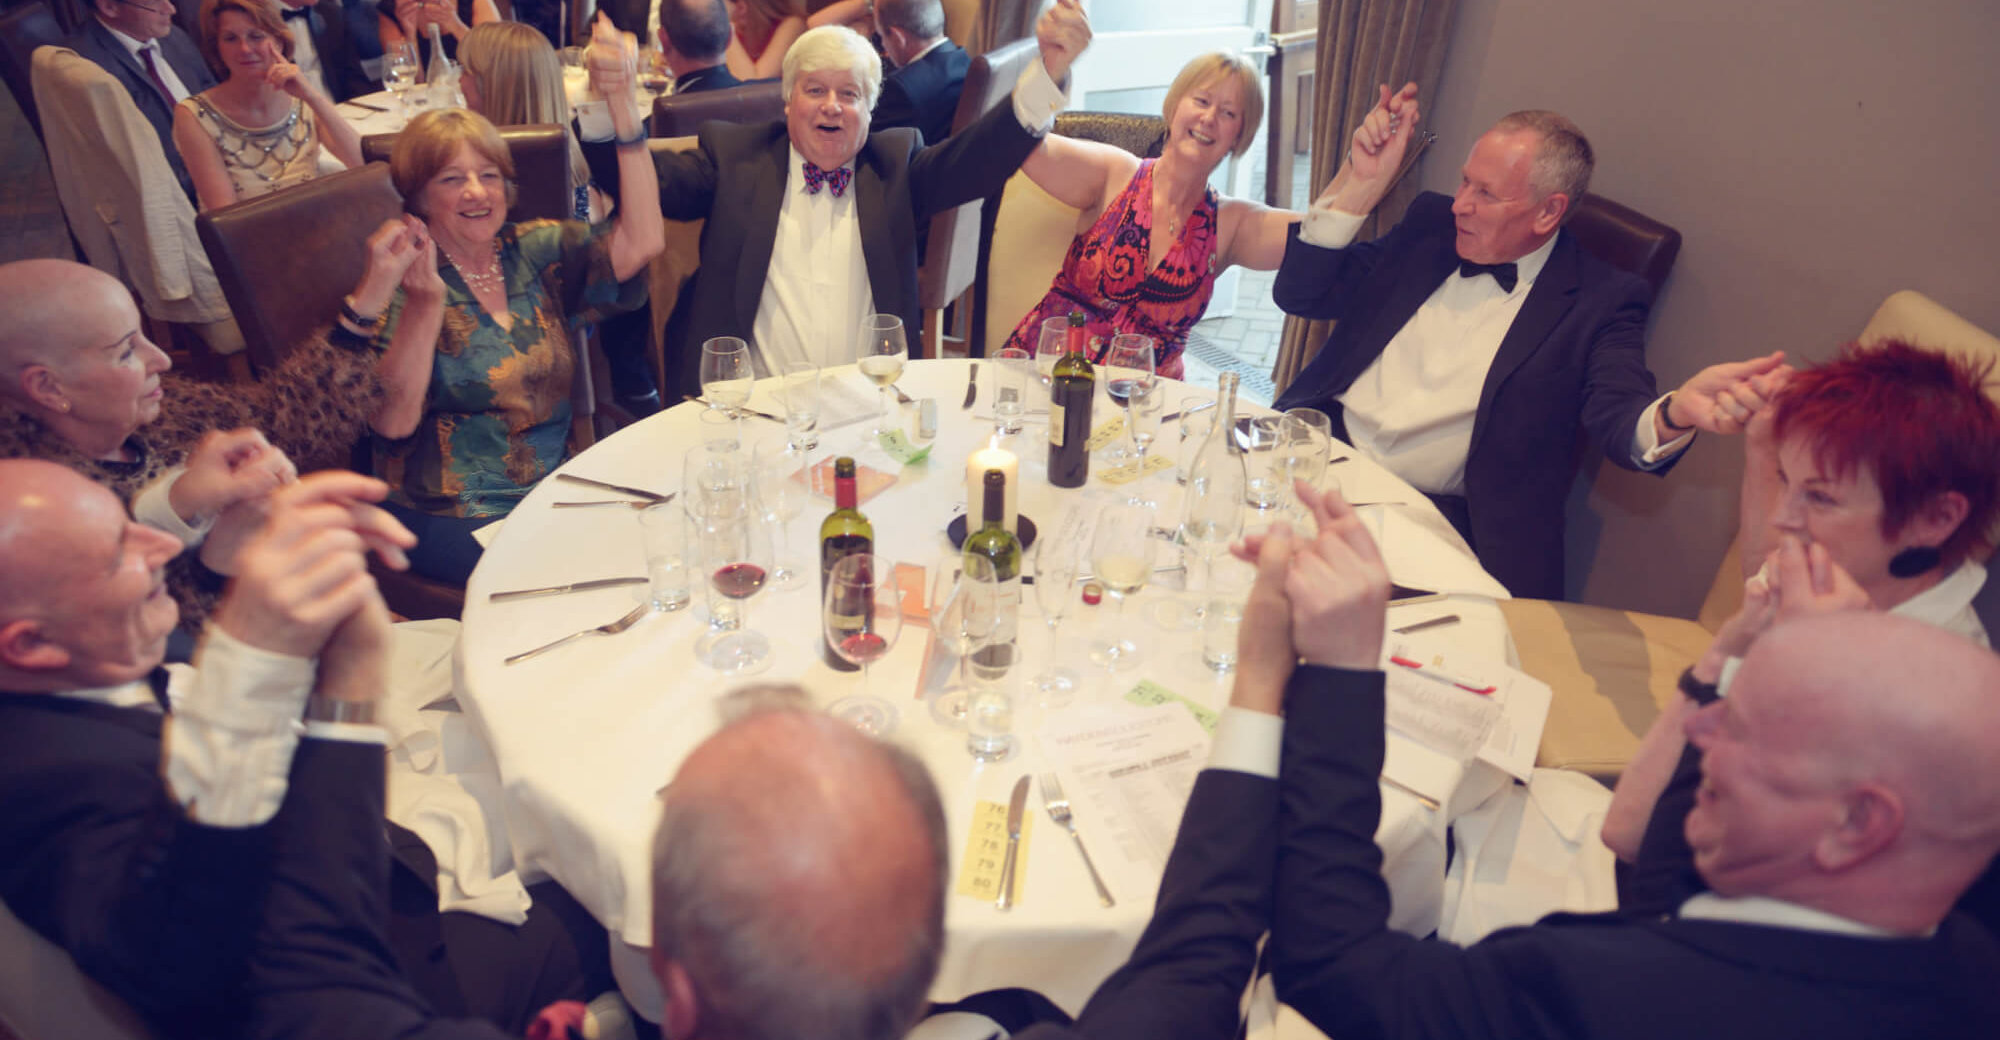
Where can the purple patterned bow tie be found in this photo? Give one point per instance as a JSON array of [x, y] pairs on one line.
[[836, 179]]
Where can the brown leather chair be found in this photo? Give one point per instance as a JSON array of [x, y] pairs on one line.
[[1625, 238], [541, 169], [680, 115], [22, 29], [1142, 135], [951, 252]]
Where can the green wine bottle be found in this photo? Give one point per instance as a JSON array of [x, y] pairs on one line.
[[843, 533], [1072, 386], [993, 542]]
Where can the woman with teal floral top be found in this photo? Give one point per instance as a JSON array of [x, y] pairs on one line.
[[476, 361]]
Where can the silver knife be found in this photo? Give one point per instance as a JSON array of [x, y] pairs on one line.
[[1017, 807], [556, 590], [971, 386], [1171, 416], [651, 496], [739, 409]]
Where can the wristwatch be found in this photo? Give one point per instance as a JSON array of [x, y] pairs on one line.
[[327, 709], [1701, 693], [1667, 415]]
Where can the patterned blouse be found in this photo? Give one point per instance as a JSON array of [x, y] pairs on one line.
[[262, 160], [1105, 276], [497, 414]]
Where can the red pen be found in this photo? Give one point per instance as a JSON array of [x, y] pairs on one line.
[[1442, 676]]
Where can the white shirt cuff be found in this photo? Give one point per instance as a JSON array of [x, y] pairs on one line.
[[1248, 742], [229, 741], [1647, 451], [154, 507], [1037, 99], [349, 732], [1329, 228]]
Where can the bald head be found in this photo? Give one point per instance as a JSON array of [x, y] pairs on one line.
[[50, 306], [799, 879]]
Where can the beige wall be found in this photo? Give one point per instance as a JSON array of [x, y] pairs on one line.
[[1816, 155]]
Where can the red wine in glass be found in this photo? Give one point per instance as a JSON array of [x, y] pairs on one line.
[[863, 647], [738, 580]]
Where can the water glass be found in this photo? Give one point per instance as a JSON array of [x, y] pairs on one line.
[[1056, 568], [714, 478], [726, 373], [1010, 392], [989, 720], [720, 430], [663, 528], [1222, 617], [1194, 429], [1265, 489], [799, 395], [783, 484]]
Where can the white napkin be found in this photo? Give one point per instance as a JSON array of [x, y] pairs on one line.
[[846, 398], [1423, 551]]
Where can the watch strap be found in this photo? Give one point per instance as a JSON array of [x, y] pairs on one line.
[[327, 709], [1701, 693]]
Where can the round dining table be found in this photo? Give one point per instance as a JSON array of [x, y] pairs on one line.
[[586, 735]]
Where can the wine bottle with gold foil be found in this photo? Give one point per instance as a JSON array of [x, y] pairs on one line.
[[1072, 386], [843, 533]]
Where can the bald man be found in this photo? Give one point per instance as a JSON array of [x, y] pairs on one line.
[[1847, 801]]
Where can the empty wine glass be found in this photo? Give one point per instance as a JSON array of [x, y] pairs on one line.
[[964, 590], [1055, 589], [733, 552], [782, 485], [881, 357], [798, 393], [1051, 345], [1131, 383], [1121, 554], [726, 373], [862, 615]]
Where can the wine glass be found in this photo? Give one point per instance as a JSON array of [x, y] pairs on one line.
[[726, 373], [1130, 381], [1121, 554], [862, 616], [881, 357], [401, 73], [715, 478], [964, 590], [733, 550], [1055, 589], [1304, 444], [782, 487], [798, 393], [1053, 344]]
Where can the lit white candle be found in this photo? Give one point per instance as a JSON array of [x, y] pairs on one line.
[[976, 466]]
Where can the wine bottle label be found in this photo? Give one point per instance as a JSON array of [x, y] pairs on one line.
[[993, 660], [1055, 422]]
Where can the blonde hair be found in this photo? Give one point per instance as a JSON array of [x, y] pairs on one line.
[[520, 81], [261, 15], [1217, 66], [431, 142], [835, 47]]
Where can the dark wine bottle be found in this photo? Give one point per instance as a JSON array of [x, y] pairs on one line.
[[995, 543], [843, 533], [1072, 385]]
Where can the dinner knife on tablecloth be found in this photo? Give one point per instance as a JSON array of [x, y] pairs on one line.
[[557, 590], [1017, 809]]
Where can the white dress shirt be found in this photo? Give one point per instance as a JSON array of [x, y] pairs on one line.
[[153, 507], [160, 62], [1777, 913], [305, 54], [227, 748], [1413, 407], [1948, 604]]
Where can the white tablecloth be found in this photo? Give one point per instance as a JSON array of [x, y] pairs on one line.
[[584, 736]]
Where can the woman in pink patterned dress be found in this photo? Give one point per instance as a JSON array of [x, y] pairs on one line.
[[1123, 276]]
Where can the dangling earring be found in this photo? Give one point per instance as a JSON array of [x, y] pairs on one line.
[[1914, 560]]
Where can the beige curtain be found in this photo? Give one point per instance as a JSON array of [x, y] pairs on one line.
[[1363, 43], [1003, 22]]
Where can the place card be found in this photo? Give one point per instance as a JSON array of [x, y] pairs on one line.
[[986, 852], [1127, 472], [898, 445], [1149, 694], [1105, 433]]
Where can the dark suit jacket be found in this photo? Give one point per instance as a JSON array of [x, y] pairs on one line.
[[1575, 355], [338, 59], [1336, 961], [103, 862], [736, 180], [95, 42], [715, 77], [924, 93]]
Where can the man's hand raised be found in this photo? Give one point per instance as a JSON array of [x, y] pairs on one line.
[[1724, 398], [1376, 153], [225, 468], [1338, 586], [1265, 655], [1063, 32]]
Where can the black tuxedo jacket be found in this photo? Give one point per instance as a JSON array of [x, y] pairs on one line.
[[1336, 961], [1575, 355], [924, 93], [103, 862], [736, 180], [95, 42], [715, 77], [338, 60]]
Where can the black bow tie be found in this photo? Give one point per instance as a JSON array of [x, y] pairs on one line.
[[157, 679], [291, 13], [1505, 274]]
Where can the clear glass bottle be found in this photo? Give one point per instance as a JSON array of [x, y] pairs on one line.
[[1212, 514]]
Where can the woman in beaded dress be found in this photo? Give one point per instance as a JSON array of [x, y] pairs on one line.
[[1119, 272], [262, 127]]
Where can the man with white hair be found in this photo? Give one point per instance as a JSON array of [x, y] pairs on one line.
[[812, 221]]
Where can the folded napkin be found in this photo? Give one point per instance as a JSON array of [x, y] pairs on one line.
[[846, 398]]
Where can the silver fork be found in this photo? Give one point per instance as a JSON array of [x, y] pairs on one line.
[[611, 629], [1058, 806]]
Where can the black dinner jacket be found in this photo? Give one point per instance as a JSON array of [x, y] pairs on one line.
[[715, 77], [95, 42], [1336, 961], [736, 179], [104, 863], [338, 60], [924, 93], [1575, 356]]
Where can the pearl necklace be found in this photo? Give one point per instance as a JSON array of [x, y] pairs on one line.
[[486, 281]]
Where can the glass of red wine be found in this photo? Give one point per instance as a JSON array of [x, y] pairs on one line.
[[863, 615], [733, 550]]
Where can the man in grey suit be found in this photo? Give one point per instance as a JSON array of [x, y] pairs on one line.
[[137, 42]]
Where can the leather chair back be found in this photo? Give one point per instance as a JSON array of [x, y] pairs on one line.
[[680, 115], [286, 259], [22, 29], [541, 169], [1625, 238], [951, 255], [1142, 135]]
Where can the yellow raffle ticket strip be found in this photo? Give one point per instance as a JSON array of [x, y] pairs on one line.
[[986, 850]]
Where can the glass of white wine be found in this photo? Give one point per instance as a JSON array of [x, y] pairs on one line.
[[1121, 554], [881, 357]]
